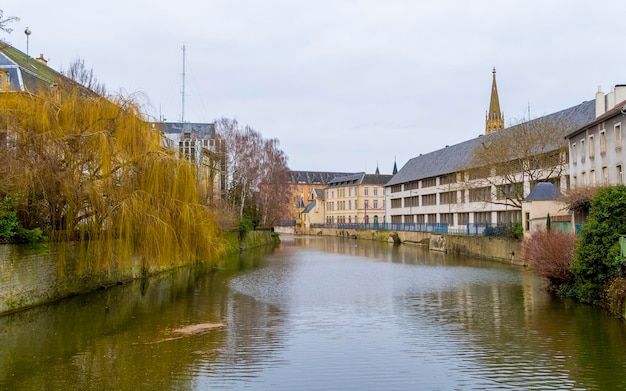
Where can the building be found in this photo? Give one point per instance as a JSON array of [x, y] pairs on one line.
[[198, 143], [595, 149], [446, 186], [19, 72], [301, 187], [356, 199], [543, 201], [314, 213]]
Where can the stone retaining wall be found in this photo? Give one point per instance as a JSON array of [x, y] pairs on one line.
[[499, 249], [29, 277]]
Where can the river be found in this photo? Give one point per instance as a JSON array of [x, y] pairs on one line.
[[319, 313]]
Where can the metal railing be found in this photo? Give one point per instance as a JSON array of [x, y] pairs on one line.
[[471, 229]]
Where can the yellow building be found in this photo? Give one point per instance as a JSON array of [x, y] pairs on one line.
[[356, 199]]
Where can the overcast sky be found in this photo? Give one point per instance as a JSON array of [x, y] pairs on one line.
[[343, 84]]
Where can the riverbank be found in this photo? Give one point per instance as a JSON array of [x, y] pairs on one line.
[[31, 277], [493, 248]]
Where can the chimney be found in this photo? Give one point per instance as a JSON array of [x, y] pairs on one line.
[[42, 60], [600, 106], [620, 93]]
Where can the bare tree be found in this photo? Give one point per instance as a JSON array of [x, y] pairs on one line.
[[510, 161], [274, 188], [258, 172], [4, 21], [78, 72], [243, 148]]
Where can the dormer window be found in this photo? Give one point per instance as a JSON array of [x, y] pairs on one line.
[[5, 80]]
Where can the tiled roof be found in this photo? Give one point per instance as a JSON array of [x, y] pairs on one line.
[[314, 177], [457, 157], [360, 178], [543, 191], [309, 207]]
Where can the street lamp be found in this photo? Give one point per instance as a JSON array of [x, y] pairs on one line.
[[27, 32]]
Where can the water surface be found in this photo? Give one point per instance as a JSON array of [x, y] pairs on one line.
[[319, 314]]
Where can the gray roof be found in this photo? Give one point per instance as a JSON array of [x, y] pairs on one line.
[[457, 157], [319, 193], [314, 177], [204, 129], [614, 112], [360, 178], [309, 207], [543, 191]]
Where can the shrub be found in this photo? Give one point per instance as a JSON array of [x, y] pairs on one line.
[[598, 259], [550, 254], [8, 219]]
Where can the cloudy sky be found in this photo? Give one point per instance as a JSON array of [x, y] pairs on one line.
[[343, 84]]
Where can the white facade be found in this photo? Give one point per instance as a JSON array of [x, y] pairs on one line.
[[596, 151]]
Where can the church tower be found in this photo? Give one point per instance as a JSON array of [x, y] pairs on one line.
[[495, 118]]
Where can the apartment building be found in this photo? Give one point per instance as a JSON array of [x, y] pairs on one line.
[[356, 199]]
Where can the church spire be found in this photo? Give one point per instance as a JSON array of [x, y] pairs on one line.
[[495, 118]]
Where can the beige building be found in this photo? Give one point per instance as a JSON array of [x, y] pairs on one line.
[[541, 203], [356, 199], [314, 213]]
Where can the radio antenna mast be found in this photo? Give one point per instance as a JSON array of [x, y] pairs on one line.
[[182, 115]]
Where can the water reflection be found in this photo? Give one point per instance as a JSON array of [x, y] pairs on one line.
[[319, 313]]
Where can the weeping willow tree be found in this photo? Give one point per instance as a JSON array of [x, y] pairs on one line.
[[91, 170]]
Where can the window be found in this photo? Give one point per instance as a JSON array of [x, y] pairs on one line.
[[429, 182], [463, 218], [618, 135], [413, 185], [366, 204], [592, 177], [480, 194], [510, 191], [408, 219], [396, 188], [350, 204], [396, 203], [592, 147], [4, 80], [447, 218], [583, 178], [429, 199], [582, 150], [482, 217], [447, 179], [602, 142], [396, 219], [605, 175], [448, 198], [575, 182], [365, 191], [432, 217], [620, 177], [375, 204], [420, 219], [509, 217], [411, 201], [376, 191], [574, 159]]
